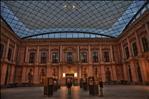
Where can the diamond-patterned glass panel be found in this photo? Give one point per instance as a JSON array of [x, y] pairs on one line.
[[100, 18]]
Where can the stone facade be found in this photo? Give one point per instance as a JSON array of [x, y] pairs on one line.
[[119, 66]]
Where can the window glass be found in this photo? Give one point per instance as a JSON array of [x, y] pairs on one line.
[[32, 57]]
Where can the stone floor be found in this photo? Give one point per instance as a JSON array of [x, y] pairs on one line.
[[110, 92]]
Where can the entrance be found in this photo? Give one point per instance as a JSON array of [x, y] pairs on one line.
[[72, 78]]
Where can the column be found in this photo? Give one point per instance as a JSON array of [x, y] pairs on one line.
[[90, 62], [144, 70], [3, 73], [125, 70], [123, 56], [111, 51], [89, 54], [26, 55], [12, 73], [129, 48], [61, 53], [147, 28], [138, 44], [7, 48], [100, 55], [14, 54], [79, 71], [114, 72], [103, 73], [49, 60], [24, 75], [61, 62], [37, 56], [36, 76], [49, 71], [78, 54], [78, 60], [133, 71]]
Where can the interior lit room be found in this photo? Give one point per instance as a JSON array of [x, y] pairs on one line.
[[74, 49]]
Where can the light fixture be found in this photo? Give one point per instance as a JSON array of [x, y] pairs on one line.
[[69, 6], [75, 74], [64, 75]]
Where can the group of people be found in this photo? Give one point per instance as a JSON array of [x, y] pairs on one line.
[[51, 85], [92, 84]]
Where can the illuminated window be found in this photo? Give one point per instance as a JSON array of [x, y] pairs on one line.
[[32, 57], [55, 58], [95, 57], [145, 44]]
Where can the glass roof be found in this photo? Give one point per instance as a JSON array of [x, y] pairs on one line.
[[69, 19]]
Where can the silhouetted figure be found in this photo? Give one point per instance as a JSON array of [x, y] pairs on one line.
[[30, 77], [45, 80], [101, 88], [91, 86], [50, 87], [69, 85], [96, 83], [81, 83], [85, 84]]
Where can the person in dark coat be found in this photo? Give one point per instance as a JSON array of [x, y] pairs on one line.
[[69, 85], [30, 77], [85, 84], [101, 88], [96, 83], [50, 87], [91, 86], [81, 83], [45, 85]]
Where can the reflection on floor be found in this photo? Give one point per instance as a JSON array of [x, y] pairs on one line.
[[110, 92]]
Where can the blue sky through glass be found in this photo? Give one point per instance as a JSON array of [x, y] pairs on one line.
[[21, 30]]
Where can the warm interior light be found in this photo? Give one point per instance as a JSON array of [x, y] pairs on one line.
[[64, 75], [75, 74]]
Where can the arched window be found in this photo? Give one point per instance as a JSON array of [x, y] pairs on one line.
[[69, 57], [83, 57], [95, 56], [9, 56], [145, 44], [43, 59], [134, 49], [55, 57], [106, 56], [32, 57], [127, 52], [1, 50]]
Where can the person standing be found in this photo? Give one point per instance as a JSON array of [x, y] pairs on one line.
[[101, 88], [69, 85], [91, 86], [30, 77], [96, 83], [50, 86]]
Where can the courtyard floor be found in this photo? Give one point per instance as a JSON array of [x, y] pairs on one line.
[[110, 92]]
